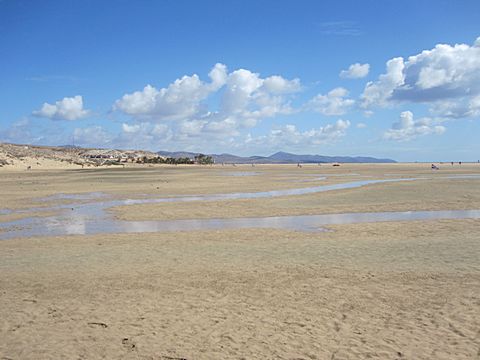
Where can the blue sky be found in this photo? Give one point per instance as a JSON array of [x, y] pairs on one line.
[[379, 78]]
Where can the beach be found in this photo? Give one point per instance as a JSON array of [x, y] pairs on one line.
[[377, 290]]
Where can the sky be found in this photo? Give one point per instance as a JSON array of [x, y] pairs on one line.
[[388, 79]]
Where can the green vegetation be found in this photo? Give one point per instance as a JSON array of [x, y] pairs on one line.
[[201, 159], [160, 160], [204, 159]]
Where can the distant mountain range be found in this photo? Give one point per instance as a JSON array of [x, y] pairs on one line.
[[279, 158]]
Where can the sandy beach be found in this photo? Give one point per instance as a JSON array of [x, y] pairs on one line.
[[239, 180], [390, 290]]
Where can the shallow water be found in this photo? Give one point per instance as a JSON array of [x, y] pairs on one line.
[[188, 198], [93, 217], [78, 223]]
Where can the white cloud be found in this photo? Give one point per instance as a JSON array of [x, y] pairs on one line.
[[208, 129], [218, 75], [459, 108], [446, 77], [94, 136], [241, 86], [192, 127], [245, 99], [378, 92], [130, 129], [361, 126], [289, 136], [333, 103], [69, 108], [278, 85], [408, 129], [180, 100], [143, 135], [355, 71], [249, 98], [160, 130]]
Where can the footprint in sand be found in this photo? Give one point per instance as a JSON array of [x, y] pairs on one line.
[[129, 344]]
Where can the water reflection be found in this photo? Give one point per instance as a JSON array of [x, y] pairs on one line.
[[80, 223], [93, 218], [189, 198]]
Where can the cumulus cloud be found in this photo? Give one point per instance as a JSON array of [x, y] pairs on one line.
[[361, 126], [278, 85], [378, 92], [69, 108], [408, 129], [245, 98], [447, 77], [355, 71], [179, 100], [333, 103], [459, 108]]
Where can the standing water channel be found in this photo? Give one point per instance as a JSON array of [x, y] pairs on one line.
[[92, 217]]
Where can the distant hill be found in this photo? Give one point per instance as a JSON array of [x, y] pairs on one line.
[[23, 156], [279, 158]]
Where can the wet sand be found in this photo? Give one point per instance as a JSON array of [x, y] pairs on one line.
[[395, 290]]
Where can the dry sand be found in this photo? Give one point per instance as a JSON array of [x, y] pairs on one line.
[[399, 290]]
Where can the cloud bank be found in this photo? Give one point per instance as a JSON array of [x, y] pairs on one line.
[[227, 107]]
